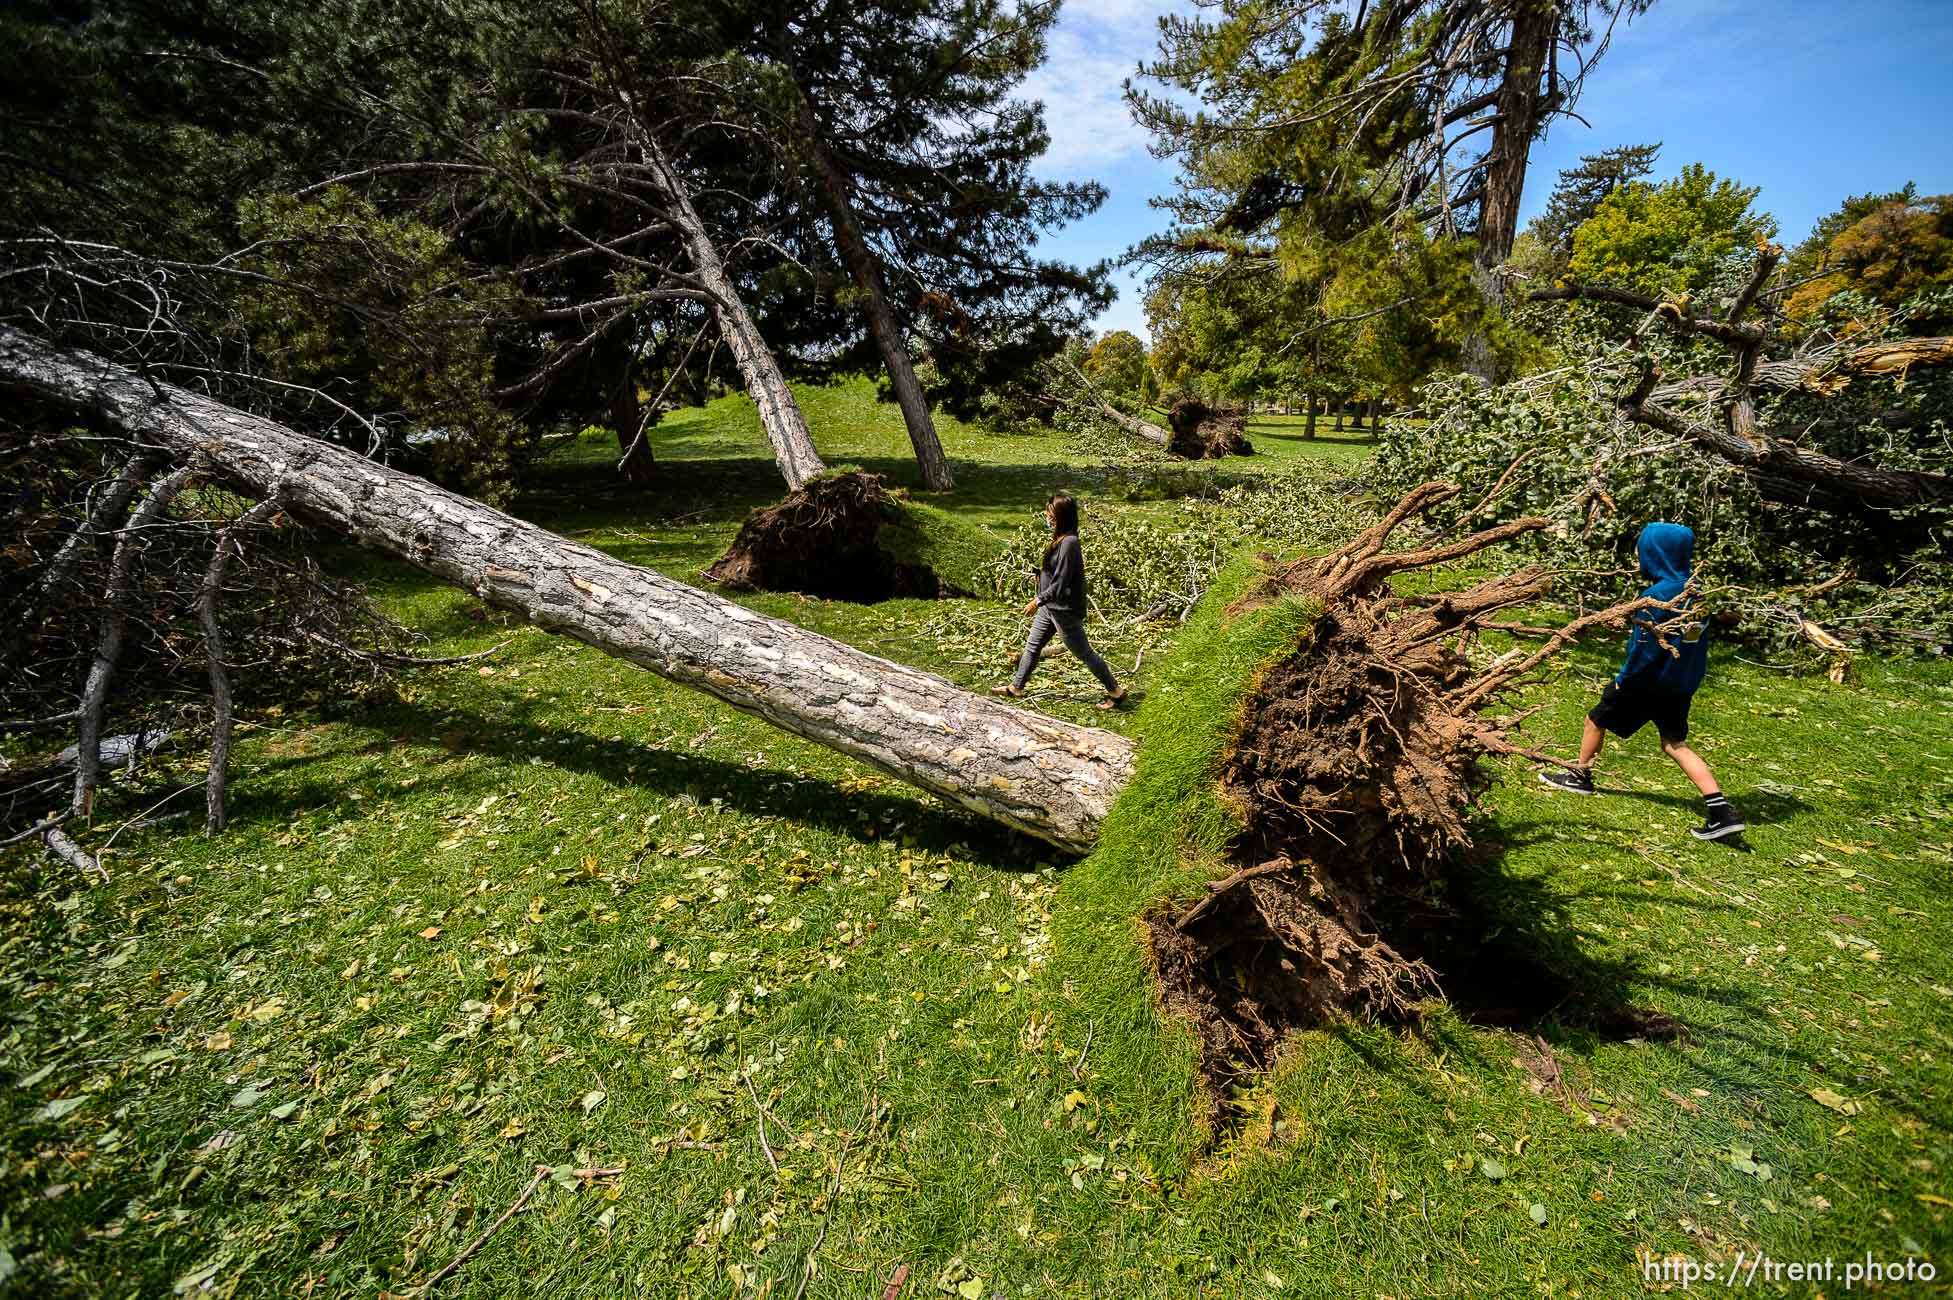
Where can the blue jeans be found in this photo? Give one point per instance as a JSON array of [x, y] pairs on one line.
[[1072, 628]]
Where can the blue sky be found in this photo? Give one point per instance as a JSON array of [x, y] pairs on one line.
[[1812, 101]]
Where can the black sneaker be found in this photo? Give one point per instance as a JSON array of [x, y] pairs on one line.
[[1571, 780], [1722, 822]]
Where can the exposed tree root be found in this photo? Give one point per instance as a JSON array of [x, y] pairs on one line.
[[827, 539], [1353, 769], [1203, 432]]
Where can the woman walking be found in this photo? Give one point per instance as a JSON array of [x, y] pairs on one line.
[[1060, 606]]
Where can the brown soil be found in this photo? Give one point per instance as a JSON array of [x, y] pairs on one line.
[[1354, 769], [825, 540], [1203, 432]]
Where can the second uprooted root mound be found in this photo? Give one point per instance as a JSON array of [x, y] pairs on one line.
[[843, 537], [1203, 432]]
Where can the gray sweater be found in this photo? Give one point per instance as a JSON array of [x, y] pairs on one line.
[[1061, 584]]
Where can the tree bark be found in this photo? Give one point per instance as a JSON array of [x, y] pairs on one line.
[[866, 271], [208, 597], [129, 547], [786, 428], [1132, 424], [1825, 373], [1309, 423], [1047, 778], [1519, 104], [1785, 471]]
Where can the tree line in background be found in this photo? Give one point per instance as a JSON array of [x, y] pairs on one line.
[[480, 223]]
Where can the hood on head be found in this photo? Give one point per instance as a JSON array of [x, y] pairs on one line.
[[1665, 550]]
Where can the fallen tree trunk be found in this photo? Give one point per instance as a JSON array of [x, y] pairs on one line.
[[1827, 372], [1785, 470], [1782, 467], [1131, 424], [1044, 777]]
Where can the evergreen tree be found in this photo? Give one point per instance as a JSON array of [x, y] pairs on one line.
[[1320, 120], [1668, 239], [902, 118], [1579, 191]]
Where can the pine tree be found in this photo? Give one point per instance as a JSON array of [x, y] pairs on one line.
[[1320, 120], [1579, 191], [903, 119]]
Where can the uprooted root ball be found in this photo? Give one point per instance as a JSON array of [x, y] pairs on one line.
[[1352, 771], [832, 538], [1203, 432]]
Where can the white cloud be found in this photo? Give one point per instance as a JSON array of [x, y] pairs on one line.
[[1096, 45]]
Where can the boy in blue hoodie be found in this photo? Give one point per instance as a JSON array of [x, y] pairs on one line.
[[1667, 654]]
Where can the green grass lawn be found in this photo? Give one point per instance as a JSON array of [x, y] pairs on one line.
[[557, 913], [1280, 438]]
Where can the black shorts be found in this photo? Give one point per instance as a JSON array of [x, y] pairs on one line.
[[1626, 711]]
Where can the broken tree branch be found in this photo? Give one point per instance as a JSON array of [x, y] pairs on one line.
[[220, 674], [115, 624]]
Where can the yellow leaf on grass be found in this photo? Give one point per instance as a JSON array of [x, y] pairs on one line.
[[431, 932], [513, 1129], [218, 1042], [1825, 1097]]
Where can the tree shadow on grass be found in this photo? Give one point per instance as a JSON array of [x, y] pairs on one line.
[[1511, 953], [579, 495], [817, 801]]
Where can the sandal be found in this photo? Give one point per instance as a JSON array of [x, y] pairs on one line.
[[1007, 689], [1113, 701]]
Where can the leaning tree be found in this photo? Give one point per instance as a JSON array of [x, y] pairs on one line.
[[466, 220]]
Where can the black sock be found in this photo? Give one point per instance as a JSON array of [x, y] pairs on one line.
[[1717, 805]]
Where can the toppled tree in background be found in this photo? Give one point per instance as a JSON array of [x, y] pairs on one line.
[[1203, 432]]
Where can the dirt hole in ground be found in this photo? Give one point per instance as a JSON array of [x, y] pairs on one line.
[[827, 539], [1354, 769]]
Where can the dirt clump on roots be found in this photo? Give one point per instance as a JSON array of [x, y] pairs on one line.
[[1353, 772], [1203, 432], [829, 538]]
